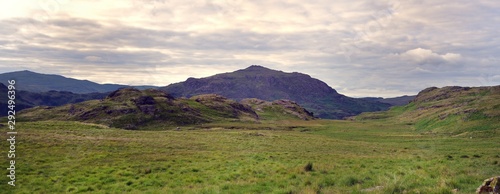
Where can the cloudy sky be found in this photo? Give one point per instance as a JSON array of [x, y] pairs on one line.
[[360, 48]]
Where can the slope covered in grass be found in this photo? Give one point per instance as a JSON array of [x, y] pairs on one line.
[[448, 109]]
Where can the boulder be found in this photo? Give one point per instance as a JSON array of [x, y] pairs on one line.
[[490, 186]]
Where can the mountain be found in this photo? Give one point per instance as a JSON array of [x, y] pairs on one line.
[[130, 108], [58, 98], [450, 109], [267, 84], [26, 99], [36, 82], [396, 101]]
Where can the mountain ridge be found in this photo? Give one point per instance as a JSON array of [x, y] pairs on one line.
[[37, 82], [27, 99], [252, 82]]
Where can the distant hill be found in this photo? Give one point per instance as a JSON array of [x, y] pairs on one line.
[[448, 109], [267, 84], [396, 101], [26, 99], [20, 102], [131, 108], [37, 82]]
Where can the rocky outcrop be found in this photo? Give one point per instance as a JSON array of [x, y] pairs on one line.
[[293, 108], [221, 103], [286, 106], [129, 108], [434, 93], [490, 186]]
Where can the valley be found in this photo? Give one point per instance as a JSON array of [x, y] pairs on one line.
[[346, 157]]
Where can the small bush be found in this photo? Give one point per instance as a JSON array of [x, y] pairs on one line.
[[308, 167]]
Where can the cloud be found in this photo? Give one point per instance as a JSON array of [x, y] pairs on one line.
[[426, 56], [382, 48]]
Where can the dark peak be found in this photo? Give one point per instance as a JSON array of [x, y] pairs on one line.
[[261, 70], [28, 72], [20, 72], [192, 80], [258, 68]]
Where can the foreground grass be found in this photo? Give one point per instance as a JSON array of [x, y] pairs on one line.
[[346, 157]]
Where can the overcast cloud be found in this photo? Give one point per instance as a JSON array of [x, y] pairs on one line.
[[370, 48]]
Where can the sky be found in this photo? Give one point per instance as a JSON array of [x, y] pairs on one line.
[[360, 48]]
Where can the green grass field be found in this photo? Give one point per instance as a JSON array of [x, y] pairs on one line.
[[346, 156]]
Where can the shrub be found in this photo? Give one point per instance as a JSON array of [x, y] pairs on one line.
[[308, 167]]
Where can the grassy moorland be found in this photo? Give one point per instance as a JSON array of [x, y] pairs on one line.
[[445, 141], [376, 156]]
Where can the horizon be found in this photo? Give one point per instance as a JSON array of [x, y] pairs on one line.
[[237, 70], [364, 49]]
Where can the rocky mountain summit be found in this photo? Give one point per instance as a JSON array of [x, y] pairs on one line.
[[270, 85]]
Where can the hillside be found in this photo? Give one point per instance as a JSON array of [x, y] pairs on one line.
[[131, 108], [37, 82], [448, 109], [266, 84]]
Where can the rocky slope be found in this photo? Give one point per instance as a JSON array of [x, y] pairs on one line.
[[131, 108], [278, 109]]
